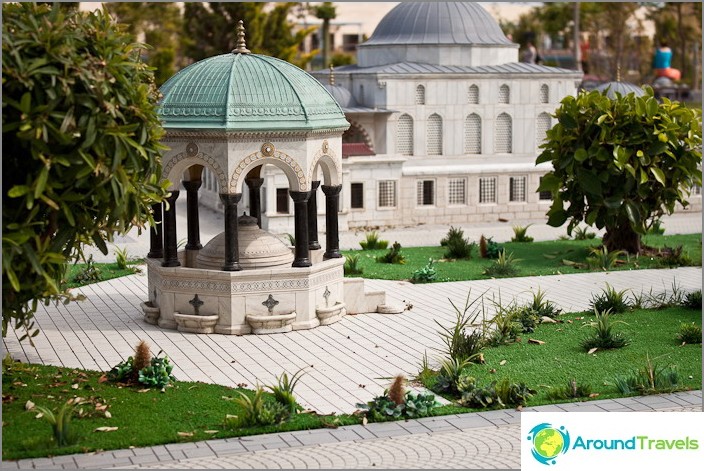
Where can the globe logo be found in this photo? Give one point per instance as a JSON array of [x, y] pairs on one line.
[[548, 442]]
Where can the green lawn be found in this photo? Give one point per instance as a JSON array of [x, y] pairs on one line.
[[106, 271], [536, 258]]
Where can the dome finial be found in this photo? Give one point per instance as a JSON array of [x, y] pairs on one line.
[[618, 72], [241, 47], [331, 79]]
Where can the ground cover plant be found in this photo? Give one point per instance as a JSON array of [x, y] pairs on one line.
[[536, 258], [81, 274]]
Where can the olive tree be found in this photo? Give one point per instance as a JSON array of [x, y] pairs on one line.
[[81, 151], [619, 164]]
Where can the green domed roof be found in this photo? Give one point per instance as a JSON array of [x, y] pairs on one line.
[[247, 92]]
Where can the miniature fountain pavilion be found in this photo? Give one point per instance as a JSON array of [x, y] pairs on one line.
[[233, 114]]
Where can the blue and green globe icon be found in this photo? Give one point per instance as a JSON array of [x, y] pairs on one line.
[[548, 442]]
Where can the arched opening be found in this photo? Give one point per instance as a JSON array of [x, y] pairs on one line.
[[503, 135], [356, 141], [420, 95], [504, 94], [473, 134], [404, 135], [434, 135]]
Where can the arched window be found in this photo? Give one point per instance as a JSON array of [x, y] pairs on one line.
[[404, 135], [544, 93], [503, 136], [420, 95], [542, 124], [473, 134], [473, 95], [504, 94], [434, 136]]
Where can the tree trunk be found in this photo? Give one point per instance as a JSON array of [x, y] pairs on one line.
[[622, 237]]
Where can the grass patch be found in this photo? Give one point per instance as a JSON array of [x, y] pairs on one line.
[[106, 271], [548, 367], [536, 259], [142, 418]]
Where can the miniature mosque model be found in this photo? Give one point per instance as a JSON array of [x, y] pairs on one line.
[[233, 114]]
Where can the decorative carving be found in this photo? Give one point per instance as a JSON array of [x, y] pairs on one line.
[[284, 159], [192, 149], [198, 159], [338, 165], [270, 304], [268, 149], [196, 303], [241, 47], [326, 295], [326, 146]]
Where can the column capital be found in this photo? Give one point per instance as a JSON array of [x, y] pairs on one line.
[[331, 190], [254, 183], [192, 185], [300, 196], [314, 185], [230, 198]]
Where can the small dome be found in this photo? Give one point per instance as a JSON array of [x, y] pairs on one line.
[[247, 92], [437, 23], [258, 248], [622, 88], [342, 96]]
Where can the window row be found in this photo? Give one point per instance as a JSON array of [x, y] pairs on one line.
[[487, 189], [503, 134], [504, 96]]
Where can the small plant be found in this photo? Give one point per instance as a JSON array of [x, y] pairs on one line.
[[650, 379], [528, 319], [394, 255], [142, 368], [291, 239], [397, 391], [283, 391], [520, 234], [480, 397], [693, 300], [142, 356], [157, 374], [689, 334], [611, 300], [122, 372], [89, 273], [488, 248], [452, 233], [572, 390], [373, 242], [425, 372], [582, 233], [121, 257], [457, 246], [603, 336], [460, 345], [451, 370], [504, 327], [351, 266], [601, 258], [427, 274], [674, 257], [465, 383], [543, 307], [655, 227], [256, 411], [60, 423], [513, 394], [414, 406], [503, 266]]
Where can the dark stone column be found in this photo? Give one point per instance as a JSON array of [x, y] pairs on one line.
[[232, 248], [313, 243], [170, 240], [192, 217], [255, 205], [156, 234], [300, 217], [332, 237]]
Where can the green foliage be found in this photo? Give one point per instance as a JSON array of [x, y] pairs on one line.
[[601, 258], [451, 370], [60, 423], [382, 408], [520, 234], [572, 390], [283, 391], [583, 233], [674, 257], [81, 140], [651, 379], [611, 300], [660, 300], [461, 346], [496, 394], [542, 306], [290, 237], [693, 300], [425, 372], [121, 257], [513, 394], [504, 327], [257, 411], [122, 372], [617, 164], [603, 335], [480, 397], [372, 242], [689, 333], [503, 266], [351, 266], [655, 227], [427, 274], [457, 246], [393, 256], [90, 273], [488, 248], [157, 374]]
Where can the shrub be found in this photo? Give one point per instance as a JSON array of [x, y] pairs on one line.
[[689, 334], [414, 406], [650, 379], [504, 326], [496, 394], [460, 345], [427, 274], [121, 257], [151, 372], [457, 246], [660, 300], [572, 390], [283, 391], [655, 227], [519, 234], [372, 242], [451, 370], [693, 300], [543, 307], [452, 234], [503, 266], [600, 257], [513, 394], [60, 423], [480, 397], [351, 266], [603, 336], [256, 411], [611, 300], [674, 257], [90, 273], [580, 233], [157, 374], [490, 248], [142, 356], [394, 255]]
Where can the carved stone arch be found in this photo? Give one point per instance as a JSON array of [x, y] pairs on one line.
[[294, 173], [175, 166], [332, 170], [357, 129]]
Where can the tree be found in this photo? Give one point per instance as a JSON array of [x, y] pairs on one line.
[[280, 41], [160, 24], [326, 12], [619, 164], [81, 147]]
